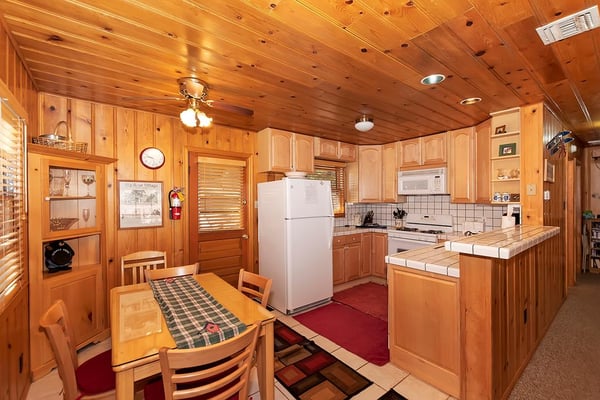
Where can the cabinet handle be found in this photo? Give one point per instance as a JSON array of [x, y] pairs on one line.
[[90, 316]]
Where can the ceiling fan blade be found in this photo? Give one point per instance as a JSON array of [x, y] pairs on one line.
[[228, 107], [134, 98]]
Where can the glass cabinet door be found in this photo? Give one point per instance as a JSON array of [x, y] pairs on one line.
[[71, 200]]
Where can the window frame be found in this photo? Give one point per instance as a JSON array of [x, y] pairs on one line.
[[17, 196], [341, 180]]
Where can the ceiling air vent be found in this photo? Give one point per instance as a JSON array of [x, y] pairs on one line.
[[571, 25]]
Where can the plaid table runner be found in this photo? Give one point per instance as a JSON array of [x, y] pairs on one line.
[[193, 316]]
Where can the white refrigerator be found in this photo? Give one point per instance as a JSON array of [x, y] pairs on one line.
[[295, 233]]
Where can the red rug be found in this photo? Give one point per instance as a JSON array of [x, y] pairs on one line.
[[370, 298], [357, 332]]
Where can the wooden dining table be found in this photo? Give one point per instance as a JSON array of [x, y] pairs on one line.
[[138, 331]]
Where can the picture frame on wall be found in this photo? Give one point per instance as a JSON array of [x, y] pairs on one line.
[[548, 171], [140, 204], [507, 149], [500, 129]]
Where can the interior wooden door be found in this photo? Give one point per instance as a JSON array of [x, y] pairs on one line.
[[219, 215]]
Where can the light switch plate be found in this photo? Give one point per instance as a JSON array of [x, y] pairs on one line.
[[546, 195]]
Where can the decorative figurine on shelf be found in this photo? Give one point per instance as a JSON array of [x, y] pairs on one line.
[[399, 217]]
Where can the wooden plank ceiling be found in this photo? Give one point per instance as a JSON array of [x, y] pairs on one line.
[[314, 66]]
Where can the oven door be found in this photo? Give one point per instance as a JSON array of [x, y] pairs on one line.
[[397, 245]]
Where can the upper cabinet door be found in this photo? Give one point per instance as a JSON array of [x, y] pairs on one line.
[[461, 166], [411, 153], [274, 150], [326, 149], [433, 149], [482, 162], [369, 173], [303, 153], [347, 152]]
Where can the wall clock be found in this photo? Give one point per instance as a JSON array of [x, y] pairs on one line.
[[152, 157]]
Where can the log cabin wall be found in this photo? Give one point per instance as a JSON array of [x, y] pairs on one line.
[[122, 133]]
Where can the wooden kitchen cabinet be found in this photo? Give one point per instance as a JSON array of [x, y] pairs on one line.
[[378, 253], [389, 173], [283, 151], [482, 162], [14, 352], [424, 151], [67, 201], [365, 251], [461, 165], [424, 323], [334, 150], [346, 258], [370, 174]]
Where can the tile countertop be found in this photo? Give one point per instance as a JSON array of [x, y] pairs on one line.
[[434, 258], [502, 243], [349, 230]]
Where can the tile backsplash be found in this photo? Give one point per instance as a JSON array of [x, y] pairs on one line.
[[431, 204]]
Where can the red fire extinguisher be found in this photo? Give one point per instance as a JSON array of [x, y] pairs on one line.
[[174, 205]]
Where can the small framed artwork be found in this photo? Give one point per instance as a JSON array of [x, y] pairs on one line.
[[140, 204], [548, 171], [507, 149], [500, 129]]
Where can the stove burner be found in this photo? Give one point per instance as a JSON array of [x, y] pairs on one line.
[[405, 229]]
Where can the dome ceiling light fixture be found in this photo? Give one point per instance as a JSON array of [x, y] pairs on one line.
[[433, 79], [364, 123], [470, 100]]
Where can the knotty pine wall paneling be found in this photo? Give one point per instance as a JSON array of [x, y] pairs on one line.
[[122, 133]]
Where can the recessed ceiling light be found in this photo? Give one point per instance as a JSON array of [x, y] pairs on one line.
[[433, 79], [470, 100]]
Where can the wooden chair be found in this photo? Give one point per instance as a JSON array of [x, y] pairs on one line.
[[255, 286], [154, 274], [94, 379], [217, 372], [135, 264]]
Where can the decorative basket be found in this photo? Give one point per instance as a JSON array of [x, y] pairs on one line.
[[58, 142], [61, 224]]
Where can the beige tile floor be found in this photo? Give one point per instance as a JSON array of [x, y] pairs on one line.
[[384, 377]]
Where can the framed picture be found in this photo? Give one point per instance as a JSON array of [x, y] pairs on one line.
[[548, 171], [507, 149], [500, 129], [140, 204]]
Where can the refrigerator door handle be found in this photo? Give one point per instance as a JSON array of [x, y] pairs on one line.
[[331, 226]]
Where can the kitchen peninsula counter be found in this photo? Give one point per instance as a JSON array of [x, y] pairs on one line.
[[467, 315]]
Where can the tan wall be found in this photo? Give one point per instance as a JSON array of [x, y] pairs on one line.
[[122, 133]]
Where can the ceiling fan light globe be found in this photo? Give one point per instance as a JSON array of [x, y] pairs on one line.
[[204, 121], [188, 117]]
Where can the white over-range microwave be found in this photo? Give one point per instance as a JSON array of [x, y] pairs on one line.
[[423, 181]]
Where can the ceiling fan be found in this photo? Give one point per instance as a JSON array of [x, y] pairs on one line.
[[195, 92]]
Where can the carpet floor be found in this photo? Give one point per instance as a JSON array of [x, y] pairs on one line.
[[310, 373], [370, 298], [357, 332], [566, 364]]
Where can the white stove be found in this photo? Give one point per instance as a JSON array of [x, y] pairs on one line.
[[419, 230]]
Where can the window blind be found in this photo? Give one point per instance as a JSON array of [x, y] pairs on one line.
[[12, 203], [334, 173], [221, 194]]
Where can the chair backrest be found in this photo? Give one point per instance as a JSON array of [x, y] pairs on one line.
[[154, 274], [59, 331], [135, 264], [255, 286], [217, 371]]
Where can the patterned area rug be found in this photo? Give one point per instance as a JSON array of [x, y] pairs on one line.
[[308, 372]]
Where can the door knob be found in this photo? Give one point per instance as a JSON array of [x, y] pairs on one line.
[[244, 236]]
